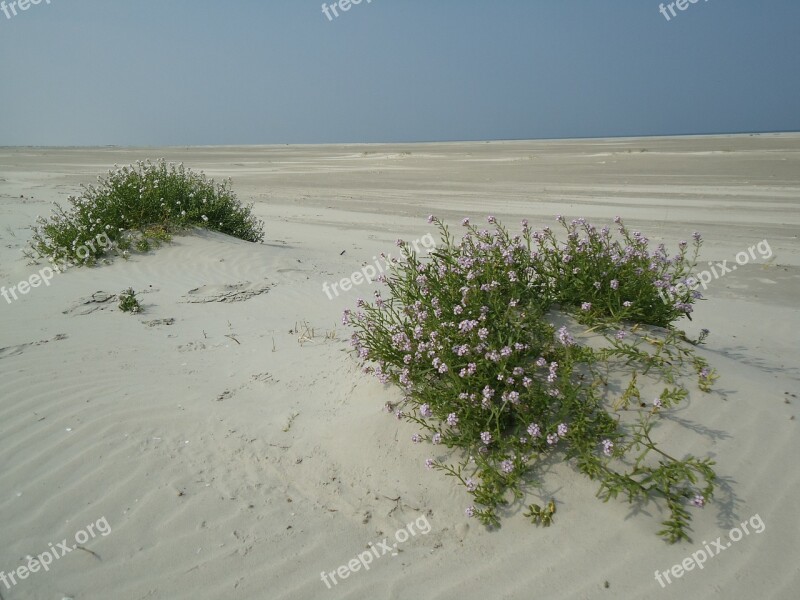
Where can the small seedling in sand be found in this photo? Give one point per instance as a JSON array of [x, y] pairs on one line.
[[468, 335], [128, 302], [541, 516]]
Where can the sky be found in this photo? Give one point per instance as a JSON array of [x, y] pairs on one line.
[[229, 72]]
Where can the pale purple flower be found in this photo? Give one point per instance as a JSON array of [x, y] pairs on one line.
[[425, 410], [534, 430], [416, 438], [586, 306], [614, 284], [471, 485], [491, 219], [552, 439], [514, 397], [470, 511], [564, 337], [551, 377], [608, 446], [562, 429], [452, 419], [657, 403], [699, 501], [627, 304], [430, 219], [437, 438], [429, 463], [467, 325], [465, 222], [507, 466], [486, 437], [483, 333], [621, 335]]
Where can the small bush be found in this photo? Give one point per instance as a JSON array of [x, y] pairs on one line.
[[139, 206], [128, 302], [467, 336]]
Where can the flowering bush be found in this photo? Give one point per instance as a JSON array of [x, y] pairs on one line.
[[467, 335], [137, 205]]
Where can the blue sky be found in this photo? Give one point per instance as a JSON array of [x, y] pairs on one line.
[[193, 72]]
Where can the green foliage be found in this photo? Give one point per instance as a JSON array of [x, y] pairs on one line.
[[541, 516], [128, 302], [138, 207], [468, 336]]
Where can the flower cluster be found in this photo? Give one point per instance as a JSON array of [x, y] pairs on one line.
[[139, 204], [466, 335]]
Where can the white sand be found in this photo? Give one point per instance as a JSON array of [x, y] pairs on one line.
[[232, 458]]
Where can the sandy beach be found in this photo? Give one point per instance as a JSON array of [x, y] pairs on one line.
[[231, 444]]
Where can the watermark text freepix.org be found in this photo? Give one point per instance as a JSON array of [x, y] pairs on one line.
[[368, 273], [671, 6], [343, 5], [56, 551], [46, 274], [697, 559], [375, 551], [10, 8], [705, 277]]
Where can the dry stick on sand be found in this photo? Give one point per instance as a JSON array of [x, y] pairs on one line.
[[95, 554]]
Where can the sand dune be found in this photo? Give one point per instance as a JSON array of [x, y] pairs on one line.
[[235, 448]]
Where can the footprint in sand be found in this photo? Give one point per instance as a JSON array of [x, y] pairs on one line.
[[233, 292]]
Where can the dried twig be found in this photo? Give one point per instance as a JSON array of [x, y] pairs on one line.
[[95, 554]]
